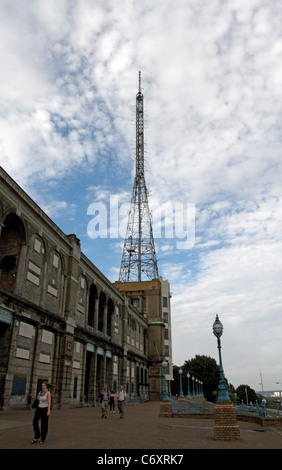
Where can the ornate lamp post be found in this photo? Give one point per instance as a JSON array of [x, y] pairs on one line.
[[181, 391], [165, 395], [222, 386], [225, 419], [200, 387], [188, 393], [263, 401], [193, 378]]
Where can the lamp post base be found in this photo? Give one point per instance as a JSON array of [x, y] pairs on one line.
[[165, 409], [225, 422]]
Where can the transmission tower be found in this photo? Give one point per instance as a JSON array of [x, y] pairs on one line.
[[139, 256]]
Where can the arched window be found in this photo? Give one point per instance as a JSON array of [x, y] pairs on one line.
[[82, 293], [54, 272], [91, 304], [109, 317], [102, 304], [11, 239]]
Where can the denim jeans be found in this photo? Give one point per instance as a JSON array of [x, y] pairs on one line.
[[121, 408]]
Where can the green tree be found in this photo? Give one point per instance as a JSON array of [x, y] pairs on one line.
[[246, 393], [232, 393], [175, 384], [203, 368]]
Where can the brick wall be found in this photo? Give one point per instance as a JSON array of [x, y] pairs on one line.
[[225, 423]]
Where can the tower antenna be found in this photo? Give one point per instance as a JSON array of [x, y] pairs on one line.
[[139, 255], [139, 81]]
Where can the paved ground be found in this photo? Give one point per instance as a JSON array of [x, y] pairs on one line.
[[142, 428]]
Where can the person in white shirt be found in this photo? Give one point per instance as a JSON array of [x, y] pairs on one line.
[[42, 413], [121, 401]]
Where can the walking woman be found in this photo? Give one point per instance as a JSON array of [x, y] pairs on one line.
[[112, 402], [42, 413]]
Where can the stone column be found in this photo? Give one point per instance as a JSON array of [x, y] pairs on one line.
[[20, 270], [105, 318], [96, 314]]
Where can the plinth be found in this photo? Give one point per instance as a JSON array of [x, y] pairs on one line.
[[165, 409], [225, 422]]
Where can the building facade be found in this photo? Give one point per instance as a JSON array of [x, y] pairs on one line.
[[61, 319], [152, 299]]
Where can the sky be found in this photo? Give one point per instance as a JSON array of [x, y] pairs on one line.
[[211, 79]]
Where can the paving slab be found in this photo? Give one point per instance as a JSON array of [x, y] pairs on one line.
[[142, 428]]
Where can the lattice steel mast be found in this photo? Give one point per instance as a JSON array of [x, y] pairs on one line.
[[139, 256]]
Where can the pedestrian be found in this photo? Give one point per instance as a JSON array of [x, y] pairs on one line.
[[121, 401], [112, 402], [42, 413], [105, 401]]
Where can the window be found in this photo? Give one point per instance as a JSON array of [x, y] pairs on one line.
[[33, 274], [52, 290], [165, 304], [37, 245], [74, 395], [26, 330], [22, 353], [55, 260], [47, 337], [165, 317], [8, 262], [135, 303], [19, 385]]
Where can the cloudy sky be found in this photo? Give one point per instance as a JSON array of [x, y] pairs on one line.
[[211, 78]]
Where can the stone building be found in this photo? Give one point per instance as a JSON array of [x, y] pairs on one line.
[[152, 300], [61, 319]]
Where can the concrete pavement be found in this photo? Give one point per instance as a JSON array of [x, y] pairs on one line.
[[142, 428]]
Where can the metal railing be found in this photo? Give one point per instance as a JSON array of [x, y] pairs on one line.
[[193, 406], [251, 410]]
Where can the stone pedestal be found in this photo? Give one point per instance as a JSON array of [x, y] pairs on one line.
[[225, 422], [165, 409]]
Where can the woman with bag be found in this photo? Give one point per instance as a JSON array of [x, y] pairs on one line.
[[42, 413]]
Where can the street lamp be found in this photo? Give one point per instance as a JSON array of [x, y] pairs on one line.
[[222, 386], [200, 389], [263, 401], [193, 378], [165, 395], [188, 393], [181, 391]]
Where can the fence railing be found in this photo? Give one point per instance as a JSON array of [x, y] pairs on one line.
[[193, 406], [251, 410]]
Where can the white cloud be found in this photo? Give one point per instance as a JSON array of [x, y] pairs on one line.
[[239, 280]]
